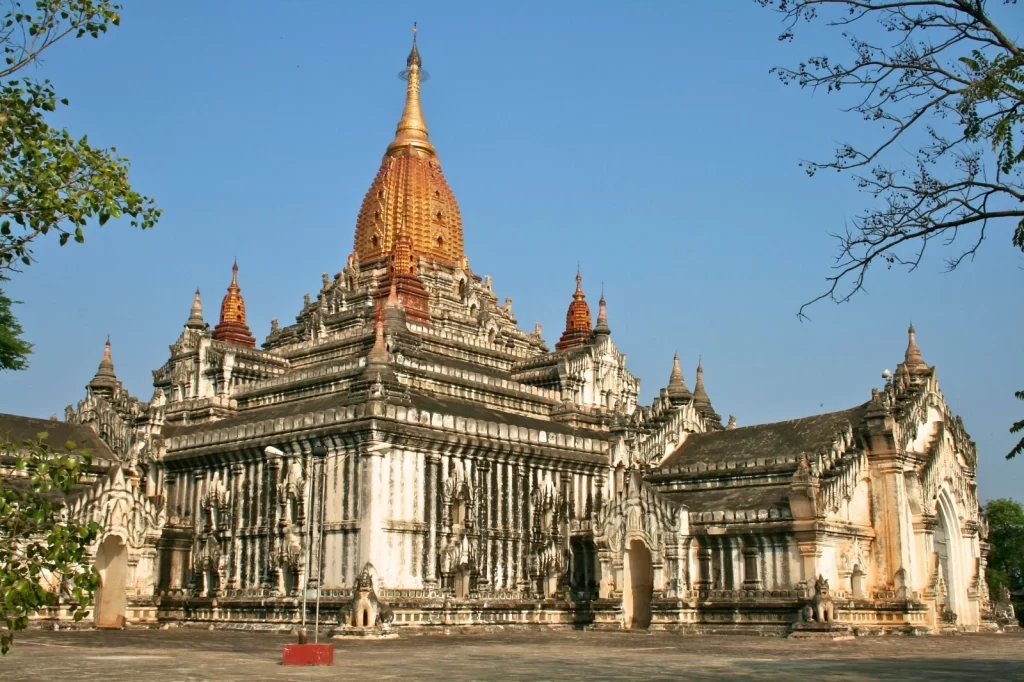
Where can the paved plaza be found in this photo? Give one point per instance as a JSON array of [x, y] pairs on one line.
[[190, 654]]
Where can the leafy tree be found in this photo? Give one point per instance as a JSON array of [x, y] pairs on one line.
[[44, 558], [50, 183], [13, 349], [936, 75], [1006, 536], [944, 84], [1017, 428]]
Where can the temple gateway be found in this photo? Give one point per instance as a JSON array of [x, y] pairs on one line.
[[408, 454]]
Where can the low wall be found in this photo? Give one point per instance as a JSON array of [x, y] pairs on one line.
[[763, 616]]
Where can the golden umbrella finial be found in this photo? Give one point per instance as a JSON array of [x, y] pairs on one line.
[[411, 134]]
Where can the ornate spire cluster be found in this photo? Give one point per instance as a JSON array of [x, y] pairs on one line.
[[410, 194], [232, 327], [578, 324], [402, 282]]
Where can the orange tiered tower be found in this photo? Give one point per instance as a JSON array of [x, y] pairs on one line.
[[410, 193], [578, 324], [232, 327]]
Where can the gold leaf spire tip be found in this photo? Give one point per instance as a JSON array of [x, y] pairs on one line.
[[411, 134]]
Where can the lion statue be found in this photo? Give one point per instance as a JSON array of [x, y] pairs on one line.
[[821, 609]]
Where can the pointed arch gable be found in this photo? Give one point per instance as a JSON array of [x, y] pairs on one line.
[[121, 508]]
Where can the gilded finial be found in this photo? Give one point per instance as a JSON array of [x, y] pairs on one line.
[[411, 135], [414, 53]]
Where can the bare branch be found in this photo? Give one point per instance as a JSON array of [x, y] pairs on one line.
[[948, 67]]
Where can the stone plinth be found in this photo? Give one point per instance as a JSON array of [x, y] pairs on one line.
[[828, 631], [352, 632]]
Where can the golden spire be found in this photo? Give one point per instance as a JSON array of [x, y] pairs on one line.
[[412, 128], [409, 193], [578, 324], [232, 327], [913, 359]]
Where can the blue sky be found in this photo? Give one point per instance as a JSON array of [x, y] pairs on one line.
[[647, 142]]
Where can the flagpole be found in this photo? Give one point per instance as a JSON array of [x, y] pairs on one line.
[[320, 452]]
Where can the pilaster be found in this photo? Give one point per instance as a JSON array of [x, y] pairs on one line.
[[237, 474], [433, 473], [372, 541]]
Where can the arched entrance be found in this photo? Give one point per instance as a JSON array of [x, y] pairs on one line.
[[638, 579], [948, 545], [111, 597]]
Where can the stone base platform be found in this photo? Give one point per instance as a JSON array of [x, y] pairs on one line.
[[821, 631], [352, 632]]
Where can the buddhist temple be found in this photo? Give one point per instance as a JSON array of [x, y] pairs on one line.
[[404, 438]]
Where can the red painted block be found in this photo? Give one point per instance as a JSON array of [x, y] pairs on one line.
[[308, 654]]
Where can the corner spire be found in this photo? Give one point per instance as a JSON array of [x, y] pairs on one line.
[[913, 360], [412, 127], [105, 379], [232, 327], [578, 323], [378, 355], [195, 317], [677, 389], [602, 316], [700, 394], [702, 402]]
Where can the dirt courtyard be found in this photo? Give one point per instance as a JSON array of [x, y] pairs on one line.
[[189, 654]]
